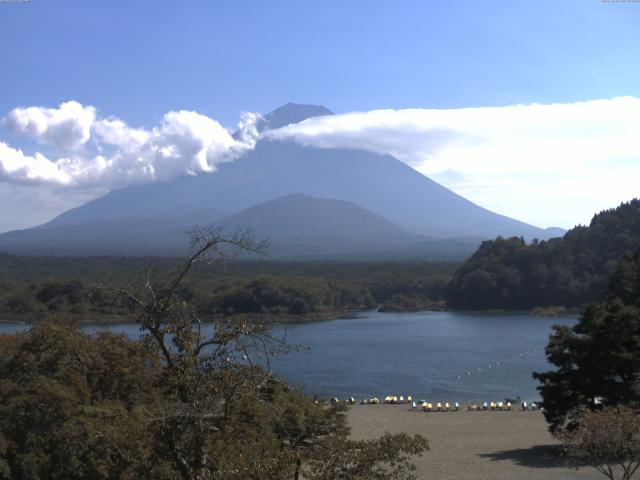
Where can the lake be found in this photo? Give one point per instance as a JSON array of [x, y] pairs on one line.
[[441, 356]]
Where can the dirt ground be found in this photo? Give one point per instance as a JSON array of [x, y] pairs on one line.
[[472, 445]]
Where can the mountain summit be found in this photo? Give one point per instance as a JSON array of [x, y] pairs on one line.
[[291, 113], [359, 197]]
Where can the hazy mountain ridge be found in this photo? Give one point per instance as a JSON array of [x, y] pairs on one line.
[[297, 227]]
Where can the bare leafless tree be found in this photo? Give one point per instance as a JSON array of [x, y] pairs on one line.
[[217, 385], [207, 366]]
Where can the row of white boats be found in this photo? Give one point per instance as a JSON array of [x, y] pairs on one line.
[[427, 406]]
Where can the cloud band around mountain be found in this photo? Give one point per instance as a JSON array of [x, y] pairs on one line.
[[520, 138], [572, 154]]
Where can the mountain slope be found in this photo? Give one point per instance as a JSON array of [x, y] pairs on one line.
[[378, 183], [132, 235], [274, 169]]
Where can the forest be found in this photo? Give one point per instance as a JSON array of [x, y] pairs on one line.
[[509, 273], [32, 288]]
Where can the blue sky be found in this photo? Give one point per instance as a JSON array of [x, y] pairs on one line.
[[141, 59], [138, 60]]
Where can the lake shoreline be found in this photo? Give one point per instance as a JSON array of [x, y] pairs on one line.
[[275, 319], [287, 318]]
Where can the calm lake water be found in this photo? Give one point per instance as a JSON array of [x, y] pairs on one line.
[[435, 355]]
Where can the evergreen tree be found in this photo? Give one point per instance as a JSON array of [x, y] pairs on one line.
[[598, 359]]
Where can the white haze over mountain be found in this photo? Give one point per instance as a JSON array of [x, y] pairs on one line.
[[547, 164]]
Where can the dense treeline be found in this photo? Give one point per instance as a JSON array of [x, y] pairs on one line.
[[32, 288], [568, 271]]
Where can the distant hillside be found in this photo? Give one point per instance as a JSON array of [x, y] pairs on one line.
[[303, 227], [299, 225], [569, 271]]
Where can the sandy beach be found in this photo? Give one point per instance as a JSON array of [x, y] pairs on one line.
[[472, 445]]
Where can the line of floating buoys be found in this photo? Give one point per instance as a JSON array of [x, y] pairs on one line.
[[490, 366]]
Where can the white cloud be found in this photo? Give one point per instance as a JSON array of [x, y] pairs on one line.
[[15, 165], [184, 142], [113, 131], [247, 132], [67, 127], [546, 164], [188, 140]]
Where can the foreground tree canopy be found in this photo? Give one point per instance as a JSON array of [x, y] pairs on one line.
[[607, 440], [189, 400], [598, 359], [568, 271]]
